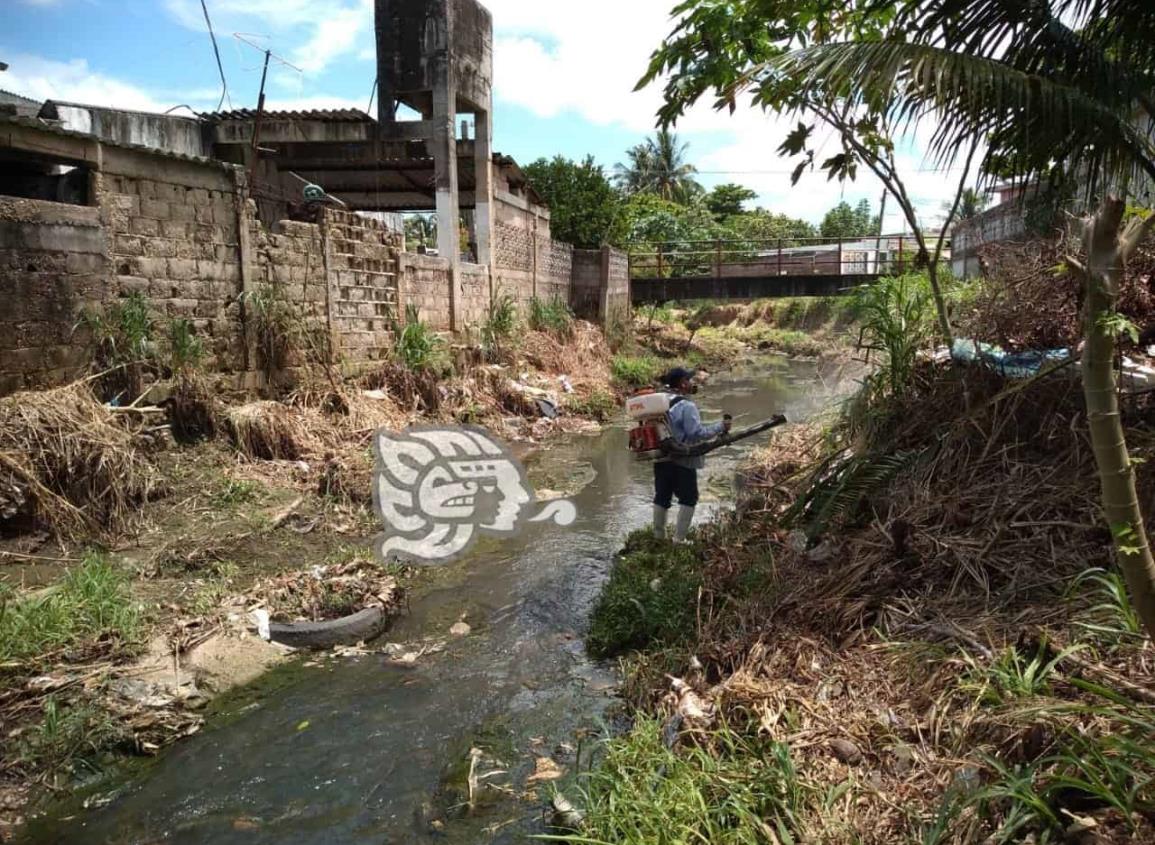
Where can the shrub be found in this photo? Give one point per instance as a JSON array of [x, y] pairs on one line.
[[629, 371], [417, 347], [553, 316], [276, 324], [500, 326], [185, 349], [599, 405]]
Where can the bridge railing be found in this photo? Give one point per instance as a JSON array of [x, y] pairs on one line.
[[752, 257]]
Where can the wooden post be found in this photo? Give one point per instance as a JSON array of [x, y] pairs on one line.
[[779, 256], [661, 271], [901, 260], [839, 255], [718, 258]]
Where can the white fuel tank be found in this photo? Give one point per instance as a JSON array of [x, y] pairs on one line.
[[647, 405]]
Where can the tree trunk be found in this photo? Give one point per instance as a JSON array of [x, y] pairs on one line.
[[1107, 251]]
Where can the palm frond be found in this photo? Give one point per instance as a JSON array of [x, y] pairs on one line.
[[969, 97]]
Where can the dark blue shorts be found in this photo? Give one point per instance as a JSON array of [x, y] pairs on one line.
[[671, 480]]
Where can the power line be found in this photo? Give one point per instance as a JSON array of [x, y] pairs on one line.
[[217, 53]]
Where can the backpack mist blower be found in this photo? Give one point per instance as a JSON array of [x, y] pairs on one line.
[[651, 437]]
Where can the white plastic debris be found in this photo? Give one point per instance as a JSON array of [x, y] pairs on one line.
[[261, 621]]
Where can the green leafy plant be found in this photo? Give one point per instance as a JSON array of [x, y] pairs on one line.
[[650, 600], [186, 350], [1111, 619], [416, 346], [553, 316], [123, 332], [276, 324], [500, 326], [897, 321], [71, 737], [1013, 675], [599, 405]]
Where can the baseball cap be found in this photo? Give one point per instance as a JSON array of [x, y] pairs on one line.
[[676, 375]]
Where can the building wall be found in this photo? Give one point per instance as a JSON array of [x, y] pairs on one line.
[[1002, 223], [184, 235], [53, 263]]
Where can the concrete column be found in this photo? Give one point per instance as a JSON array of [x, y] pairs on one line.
[[483, 167], [444, 145]]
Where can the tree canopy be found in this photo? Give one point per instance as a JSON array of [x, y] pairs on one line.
[[842, 221], [584, 207], [728, 200]]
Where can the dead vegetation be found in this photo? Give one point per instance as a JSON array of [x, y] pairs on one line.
[[69, 465], [929, 623]]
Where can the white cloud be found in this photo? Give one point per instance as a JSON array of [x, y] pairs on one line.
[[75, 81], [555, 59], [309, 33]]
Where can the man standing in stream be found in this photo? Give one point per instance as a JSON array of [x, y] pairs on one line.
[[676, 475]]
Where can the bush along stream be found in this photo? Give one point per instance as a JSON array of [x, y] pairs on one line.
[[912, 628]]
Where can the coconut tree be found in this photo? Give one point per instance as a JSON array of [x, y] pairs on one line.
[[1053, 89], [658, 166]]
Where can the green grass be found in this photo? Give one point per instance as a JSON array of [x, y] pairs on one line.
[[650, 600], [736, 791], [71, 737], [631, 371], [500, 326], [599, 405], [553, 316], [1111, 619], [186, 351], [93, 602], [416, 346], [1012, 675], [235, 492]]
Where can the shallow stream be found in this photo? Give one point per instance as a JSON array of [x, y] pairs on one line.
[[360, 752]]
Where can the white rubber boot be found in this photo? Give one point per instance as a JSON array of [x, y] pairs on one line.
[[660, 516], [682, 529]]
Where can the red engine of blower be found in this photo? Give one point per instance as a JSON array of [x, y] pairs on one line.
[[649, 410]]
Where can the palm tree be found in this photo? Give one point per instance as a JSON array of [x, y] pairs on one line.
[[971, 204], [658, 166], [1057, 89]]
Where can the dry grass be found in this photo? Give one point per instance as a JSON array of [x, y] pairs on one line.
[[266, 430], [78, 466]]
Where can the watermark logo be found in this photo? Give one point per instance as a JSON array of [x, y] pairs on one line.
[[439, 488]]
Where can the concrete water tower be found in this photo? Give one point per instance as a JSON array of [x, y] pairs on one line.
[[436, 58]]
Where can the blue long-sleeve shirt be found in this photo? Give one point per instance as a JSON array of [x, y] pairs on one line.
[[686, 427]]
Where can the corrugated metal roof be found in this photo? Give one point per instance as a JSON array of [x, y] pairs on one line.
[[336, 115], [20, 97], [44, 126]]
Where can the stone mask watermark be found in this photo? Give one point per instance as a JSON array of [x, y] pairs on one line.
[[438, 488]]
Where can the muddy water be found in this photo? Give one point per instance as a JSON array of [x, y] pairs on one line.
[[359, 751]]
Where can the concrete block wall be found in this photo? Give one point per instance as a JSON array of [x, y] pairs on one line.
[[363, 266], [178, 245], [53, 264]]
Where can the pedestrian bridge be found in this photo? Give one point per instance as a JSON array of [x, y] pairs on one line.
[[667, 271]]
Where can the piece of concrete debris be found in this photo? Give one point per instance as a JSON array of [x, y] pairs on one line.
[[846, 751], [460, 629]]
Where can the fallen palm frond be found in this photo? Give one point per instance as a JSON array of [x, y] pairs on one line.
[[266, 430], [70, 464]]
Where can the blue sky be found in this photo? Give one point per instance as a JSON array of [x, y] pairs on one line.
[[564, 79]]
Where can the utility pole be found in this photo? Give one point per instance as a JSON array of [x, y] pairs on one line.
[[257, 123], [878, 243]]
